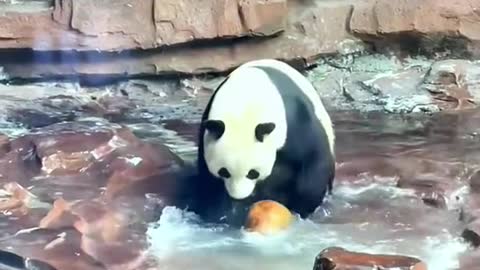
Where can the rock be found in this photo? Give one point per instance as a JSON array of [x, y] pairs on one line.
[[336, 258], [399, 91], [60, 216], [182, 21], [9, 259], [475, 182], [66, 162], [470, 260], [27, 198], [471, 234], [78, 158], [129, 24], [432, 180], [41, 104], [470, 216], [4, 144], [373, 82], [267, 217], [142, 169], [454, 84], [310, 32], [411, 23]]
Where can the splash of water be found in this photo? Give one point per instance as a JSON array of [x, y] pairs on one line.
[[374, 218]]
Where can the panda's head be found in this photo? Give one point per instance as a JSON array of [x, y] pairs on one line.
[[245, 127], [240, 159]]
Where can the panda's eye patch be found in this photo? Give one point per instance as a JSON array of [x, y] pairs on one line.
[[253, 174], [223, 172]]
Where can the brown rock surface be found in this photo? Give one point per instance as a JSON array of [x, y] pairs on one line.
[[74, 191], [417, 18], [310, 31], [129, 24], [340, 259]]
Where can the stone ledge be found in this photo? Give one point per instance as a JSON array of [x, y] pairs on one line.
[[309, 33], [116, 25]]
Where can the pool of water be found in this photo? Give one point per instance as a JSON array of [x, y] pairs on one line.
[[400, 184], [368, 211]]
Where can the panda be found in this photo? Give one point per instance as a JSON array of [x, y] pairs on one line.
[[264, 135]]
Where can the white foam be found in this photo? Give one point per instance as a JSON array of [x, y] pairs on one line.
[[179, 242]]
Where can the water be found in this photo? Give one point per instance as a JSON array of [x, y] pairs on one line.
[[401, 181], [367, 212]]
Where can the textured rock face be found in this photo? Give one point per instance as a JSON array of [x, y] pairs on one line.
[[182, 21], [417, 18], [300, 31], [310, 32], [143, 24]]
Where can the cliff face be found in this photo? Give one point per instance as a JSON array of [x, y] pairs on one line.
[[137, 37]]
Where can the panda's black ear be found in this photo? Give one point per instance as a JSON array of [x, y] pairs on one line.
[[215, 127], [263, 130]]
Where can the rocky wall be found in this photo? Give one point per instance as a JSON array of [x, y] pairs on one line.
[[149, 37]]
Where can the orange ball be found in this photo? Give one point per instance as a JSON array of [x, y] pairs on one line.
[[268, 217]]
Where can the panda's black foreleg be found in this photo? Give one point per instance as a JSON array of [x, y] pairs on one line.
[[313, 183]]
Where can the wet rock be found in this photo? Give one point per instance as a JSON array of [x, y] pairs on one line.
[[409, 24], [471, 233], [197, 84], [105, 233], [336, 258], [227, 18], [99, 174], [454, 84], [36, 105], [432, 181], [399, 91], [470, 260], [27, 198], [372, 82], [470, 215], [475, 182], [142, 169], [15, 261], [4, 144], [59, 216]]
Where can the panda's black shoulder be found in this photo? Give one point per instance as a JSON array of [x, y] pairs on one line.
[[304, 131], [294, 99]]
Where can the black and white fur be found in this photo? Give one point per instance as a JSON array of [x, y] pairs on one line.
[[265, 134]]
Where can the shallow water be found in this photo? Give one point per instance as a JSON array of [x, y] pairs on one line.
[[367, 212], [400, 183]]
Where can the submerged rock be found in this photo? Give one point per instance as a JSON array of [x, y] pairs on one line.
[[16, 262], [92, 182], [336, 258]]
